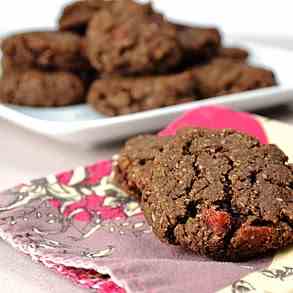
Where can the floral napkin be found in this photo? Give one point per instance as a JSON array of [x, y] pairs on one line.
[[81, 226]]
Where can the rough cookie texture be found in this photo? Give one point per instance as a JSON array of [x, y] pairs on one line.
[[131, 45], [44, 50], [223, 76], [198, 43], [238, 54], [76, 16], [133, 168], [41, 89], [221, 194], [122, 96]]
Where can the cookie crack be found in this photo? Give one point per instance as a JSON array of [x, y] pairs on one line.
[[226, 205], [192, 206], [227, 184], [261, 223], [170, 234], [285, 219], [191, 212], [197, 172], [186, 149], [186, 152], [279, 184]]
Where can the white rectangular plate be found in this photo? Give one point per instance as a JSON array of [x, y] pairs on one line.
[[81, 125]]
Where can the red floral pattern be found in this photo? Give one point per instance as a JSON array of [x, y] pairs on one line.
[[87, 279], [94, 204]]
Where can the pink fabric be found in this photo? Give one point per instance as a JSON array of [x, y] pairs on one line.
[[218, 118], [95, 173], [87, 279]]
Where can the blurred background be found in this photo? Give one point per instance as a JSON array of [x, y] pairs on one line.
[[267, 20]]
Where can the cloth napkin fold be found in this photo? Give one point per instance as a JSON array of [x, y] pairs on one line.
[[81, 226]]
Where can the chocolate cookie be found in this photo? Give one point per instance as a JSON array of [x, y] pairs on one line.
[[76, 16], [237, 54], [223, 76], [131, 45], [44, 50], [41, 89], [221, 194], [127, 95], [133, 167], [198, 43]]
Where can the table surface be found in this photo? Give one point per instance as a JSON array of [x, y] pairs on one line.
[[25, 155]]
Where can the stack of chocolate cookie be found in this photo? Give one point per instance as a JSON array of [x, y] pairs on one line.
[[219, 193], [122, 57]]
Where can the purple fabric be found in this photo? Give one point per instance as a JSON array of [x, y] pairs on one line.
[[79, 219]]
